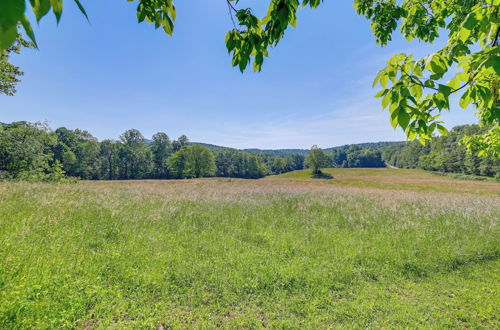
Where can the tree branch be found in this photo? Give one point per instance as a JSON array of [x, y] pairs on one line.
[[231, 7], [232, 10]]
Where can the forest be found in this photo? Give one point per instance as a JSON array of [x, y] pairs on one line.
[[34, 152], [444, 154]]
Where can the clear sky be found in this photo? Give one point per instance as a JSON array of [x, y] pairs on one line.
[[114, 74]]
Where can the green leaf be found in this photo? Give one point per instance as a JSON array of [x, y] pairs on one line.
[[394, 118], [257, 64], [464, 35], [493, 62], [381, 93], [386, 100], [7, 37], [293, 21], [229, 41], [470, 21], [168, 26], [416, 90], [465, 100], [454, 83], [40, 8], [462, 76], [27, 28], [442, 130], [78, 3], [384, 79], [403, 118], [173, 12], [411, 134], [445, 90], [141, 14], [429, 83], [11, 13], [57, 8], [431, 128], [483, 94], [243, 64], [437, 65], [394, 106], [440, 101]]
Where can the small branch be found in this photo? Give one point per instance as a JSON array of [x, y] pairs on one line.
[[231, 7], [495, 40], [417, 82], [463, 86], [427, 10], [232, 10]]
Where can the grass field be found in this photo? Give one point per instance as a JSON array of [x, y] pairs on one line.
[[370, 248]]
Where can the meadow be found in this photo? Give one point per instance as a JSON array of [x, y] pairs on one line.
[[379, 248]]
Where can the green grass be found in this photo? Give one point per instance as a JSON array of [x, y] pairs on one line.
[[399, 179], [276, 252]]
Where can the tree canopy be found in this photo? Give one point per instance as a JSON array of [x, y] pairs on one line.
[[194, 161], [32, 151], [316, 159], [416, 91], [444, 154], [9, 73]]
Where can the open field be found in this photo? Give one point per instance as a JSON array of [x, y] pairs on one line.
[[398, 179], [370, 248]]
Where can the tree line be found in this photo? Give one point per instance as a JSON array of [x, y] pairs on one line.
[[444, 154], [32, 151]]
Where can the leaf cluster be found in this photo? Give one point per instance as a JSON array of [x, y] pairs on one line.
[[416, 91], [161, 13], [252, 36]]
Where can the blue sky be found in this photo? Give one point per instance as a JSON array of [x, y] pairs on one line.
[[114, 74]]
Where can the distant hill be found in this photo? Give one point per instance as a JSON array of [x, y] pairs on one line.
[[368, 145], [289, 152], [279, 152], [212, 147]]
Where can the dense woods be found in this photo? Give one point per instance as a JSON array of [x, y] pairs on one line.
[[444, 154], [32, 151]]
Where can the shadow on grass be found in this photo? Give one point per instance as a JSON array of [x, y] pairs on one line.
[[321, 175]]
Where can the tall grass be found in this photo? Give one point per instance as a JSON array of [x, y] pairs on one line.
[[240, 253]]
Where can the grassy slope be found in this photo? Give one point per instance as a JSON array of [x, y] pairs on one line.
[[298, 253], [398, 179]]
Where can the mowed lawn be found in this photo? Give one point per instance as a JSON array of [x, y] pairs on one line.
[[370, 248]]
